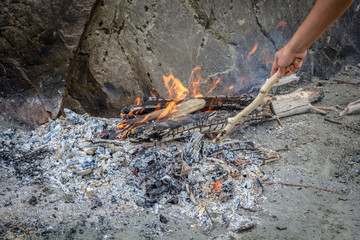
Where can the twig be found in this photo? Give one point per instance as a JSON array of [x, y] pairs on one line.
[[347, 82], [325, 108], [296, 145], [299, 185], [340, 123]]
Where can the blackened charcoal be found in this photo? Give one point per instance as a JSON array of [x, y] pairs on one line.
[[163, 219], [33, 200], [155, 189], [193, 150], [140, 202], [173, 200]]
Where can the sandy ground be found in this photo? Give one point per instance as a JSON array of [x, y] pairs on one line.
[[331, 162]]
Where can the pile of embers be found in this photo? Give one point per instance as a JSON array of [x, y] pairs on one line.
[[191, 177]]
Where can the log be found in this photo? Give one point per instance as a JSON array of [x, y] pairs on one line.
[[295, 103], [353, 107], [210, 122], [211, 103], [183, 108]]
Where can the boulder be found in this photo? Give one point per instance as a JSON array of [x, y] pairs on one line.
[[37, 41]]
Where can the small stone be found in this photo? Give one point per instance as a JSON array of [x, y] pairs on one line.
[[96, 203], [163, 219], [140, 202], [33, 201], [114, 199]]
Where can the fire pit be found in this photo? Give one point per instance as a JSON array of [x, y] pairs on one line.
[[79, 158]]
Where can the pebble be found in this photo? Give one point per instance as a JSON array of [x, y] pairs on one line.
[[33, 200]]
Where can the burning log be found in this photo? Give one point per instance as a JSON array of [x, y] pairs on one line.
[[210, 122]]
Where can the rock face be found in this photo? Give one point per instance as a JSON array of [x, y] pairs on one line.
[[126, 47], [37, 40], [129, 45]]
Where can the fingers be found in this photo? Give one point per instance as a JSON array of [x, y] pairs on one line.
[[275, 66], [297, 64], [282, 71]]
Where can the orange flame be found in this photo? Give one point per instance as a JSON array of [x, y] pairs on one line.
[[253, 49], [137, 101], [213, 85], [195, 81], [176, 91], [231, 87], [169, 108], [216, 187], [281, 24]]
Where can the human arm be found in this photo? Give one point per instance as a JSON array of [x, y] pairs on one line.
[[323, 14]]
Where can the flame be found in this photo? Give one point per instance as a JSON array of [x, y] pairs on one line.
[[169, 108], [137, 101], [195, 81], [176, 91], [213, 85], [253, 49], [216, 187], [231, 87], [281, 24], [214, 101]]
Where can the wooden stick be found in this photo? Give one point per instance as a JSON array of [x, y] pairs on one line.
[[299, 185], [296, 145], [340, 123], [353, 107], [257, 101], [347, 82]]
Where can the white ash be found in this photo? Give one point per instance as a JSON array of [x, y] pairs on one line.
[[179, 177]]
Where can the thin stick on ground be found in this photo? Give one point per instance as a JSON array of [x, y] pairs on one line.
[[296, 145], [347, 82], [300, 185], [340, 123]]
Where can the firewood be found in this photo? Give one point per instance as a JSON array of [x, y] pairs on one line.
[[210, 122], [353, 107], [295, 103], [211, 103], [182, 108]]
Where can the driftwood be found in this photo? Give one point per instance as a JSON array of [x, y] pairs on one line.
[[353, 107]]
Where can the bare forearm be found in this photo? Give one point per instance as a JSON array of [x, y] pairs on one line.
[[322, 15]]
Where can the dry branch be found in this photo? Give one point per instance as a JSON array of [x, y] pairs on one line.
[[347, 82], [353, 107], [299, 185], [257, 101], [296, 145]]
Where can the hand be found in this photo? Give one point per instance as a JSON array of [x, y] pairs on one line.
[[285, 58]]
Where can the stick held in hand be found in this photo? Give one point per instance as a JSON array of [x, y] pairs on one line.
[[257, 101]]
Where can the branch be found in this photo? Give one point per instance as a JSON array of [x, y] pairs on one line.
[[257, 101]]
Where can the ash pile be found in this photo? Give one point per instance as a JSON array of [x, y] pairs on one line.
[[190, 178]]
